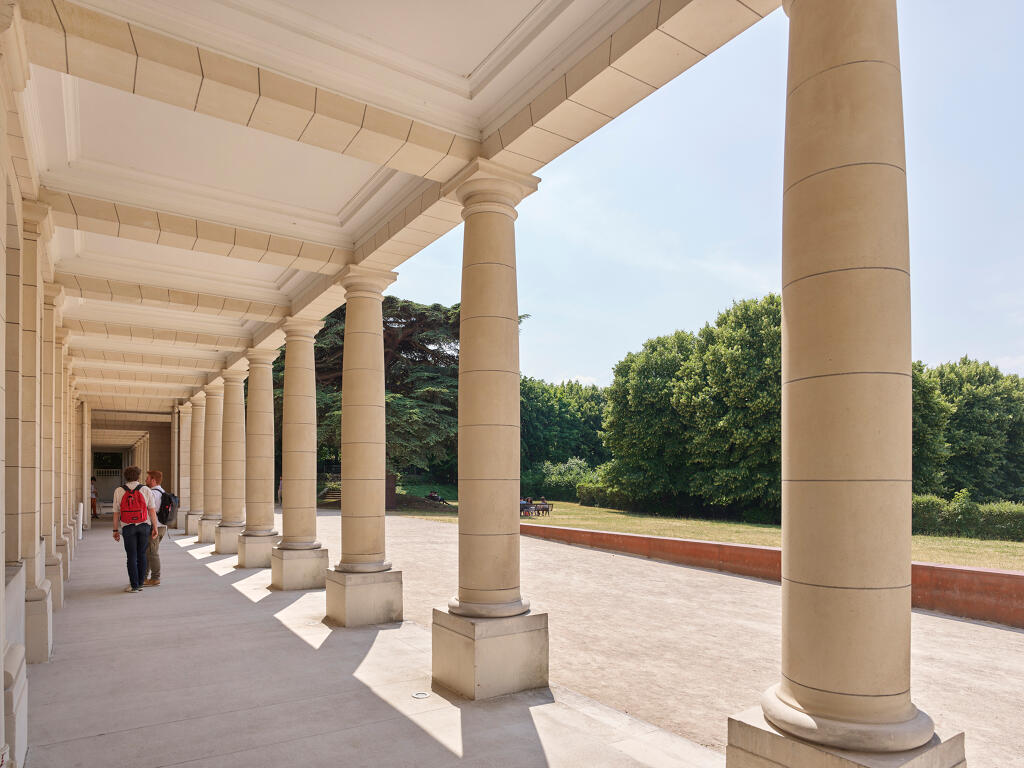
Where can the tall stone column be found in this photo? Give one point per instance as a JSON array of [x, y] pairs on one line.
[[362, 589], [12, 410], [38, 590], [488, 643], [213, 455], [48, 467], [197, 463], [172, 480], [299, 562], [233, 463], [61, 456], [83, 462], [259, 537], [184, 463], [846, 406]]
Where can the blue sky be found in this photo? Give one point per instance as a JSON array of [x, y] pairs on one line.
[[673, 210]]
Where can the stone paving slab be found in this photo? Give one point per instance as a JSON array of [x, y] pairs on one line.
[[214, 669], [685, 648]]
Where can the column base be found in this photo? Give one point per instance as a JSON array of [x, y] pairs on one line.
[[55, 575], [484, 658], [64, 552], [755, 743], [225, 539], [208, 530], [361, 599], [254, 551], [298, 568], [192, 523], [16, 704], [39, 623]]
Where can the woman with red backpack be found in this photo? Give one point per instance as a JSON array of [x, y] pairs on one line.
[[135, 524]]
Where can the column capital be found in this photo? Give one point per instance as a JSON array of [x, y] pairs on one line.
[[185, 407], [52, 293], [261, 356], [214, 390], [295, 327], [198, 399], [236, 376], [355, 278], [486, 186]]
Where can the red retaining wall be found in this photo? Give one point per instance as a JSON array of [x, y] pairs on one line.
[[975, 593]]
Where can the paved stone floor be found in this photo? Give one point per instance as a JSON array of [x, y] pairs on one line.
[[212, 669], [241, 675], [684, 648]]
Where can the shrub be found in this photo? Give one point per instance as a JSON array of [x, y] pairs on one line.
[[599, 495], [1003, 520], [557, 481]]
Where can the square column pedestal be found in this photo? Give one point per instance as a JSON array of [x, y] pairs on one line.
[[192, 523], [754, 743], [484, 658], [361, 599], [207, 531], [298, 568], [254, 551], [225, 539]]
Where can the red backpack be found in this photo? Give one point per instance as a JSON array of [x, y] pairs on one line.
[[133, 506]]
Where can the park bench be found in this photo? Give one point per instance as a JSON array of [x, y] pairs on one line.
[[536, 509]]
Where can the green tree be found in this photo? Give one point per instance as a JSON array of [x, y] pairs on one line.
[[983, 430], [560, 421], [729, 394], [644, 433], [930, 417]]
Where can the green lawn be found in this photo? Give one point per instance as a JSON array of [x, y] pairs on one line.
[[1007, 555]]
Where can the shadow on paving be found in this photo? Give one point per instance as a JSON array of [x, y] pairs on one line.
[[214, 669]]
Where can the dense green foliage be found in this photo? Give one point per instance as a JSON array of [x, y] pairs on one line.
[[930, 417], [560, 421], [985, 430], [695, 419], [935, 516], [557, 481]]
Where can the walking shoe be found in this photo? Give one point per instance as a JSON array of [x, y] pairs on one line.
[[132, 589], [151, 583]]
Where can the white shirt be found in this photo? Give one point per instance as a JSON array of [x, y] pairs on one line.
[[119, 492], [157, 492]]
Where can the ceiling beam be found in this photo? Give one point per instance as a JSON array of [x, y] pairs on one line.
[[82, 331], [104, 49], [143, 359], [120, 292], [118, 219]]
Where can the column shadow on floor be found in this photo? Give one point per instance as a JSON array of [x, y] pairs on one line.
[[196, 672]]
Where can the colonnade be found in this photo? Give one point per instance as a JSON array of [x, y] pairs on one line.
[[845, 669], [44, 455]]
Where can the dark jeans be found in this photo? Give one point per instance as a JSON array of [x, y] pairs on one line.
[[136, 542]]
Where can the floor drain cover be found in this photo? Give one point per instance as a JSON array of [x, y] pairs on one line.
[[420, 695]]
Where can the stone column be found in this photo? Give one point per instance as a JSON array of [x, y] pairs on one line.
[[213, 487], [362, 589], [487, 643], [84, 463], [259, 537], [61, 457], [299, 562], [38, 595], [10, 648], [197, 463], [846, 406], [184, 463], [172, 480], [12, 392], [233, 464], [48, 467]]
